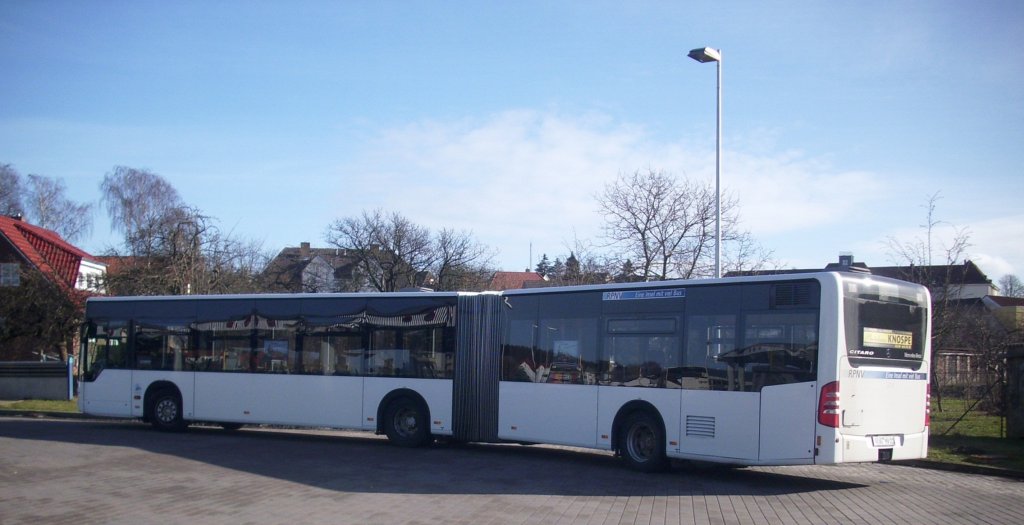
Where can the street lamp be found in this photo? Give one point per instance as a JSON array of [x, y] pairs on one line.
[[702, 55]]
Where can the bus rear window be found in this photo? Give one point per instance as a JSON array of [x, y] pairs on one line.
[[884, 332]]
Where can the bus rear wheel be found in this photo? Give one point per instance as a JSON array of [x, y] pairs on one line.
[[166, 412], [405, 423], [643, 443]]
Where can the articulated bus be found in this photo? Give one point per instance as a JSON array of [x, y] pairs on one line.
[[826, 367]]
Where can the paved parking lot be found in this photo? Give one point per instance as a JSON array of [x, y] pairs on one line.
[[91, 471]]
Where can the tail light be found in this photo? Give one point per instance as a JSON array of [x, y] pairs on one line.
[[828, 405], [928, 405]]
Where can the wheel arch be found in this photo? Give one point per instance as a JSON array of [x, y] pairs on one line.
[[152, 390], [397, 394], [626, 410]]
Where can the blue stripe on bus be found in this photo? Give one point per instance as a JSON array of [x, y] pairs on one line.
[[632, 295], [876, 374]]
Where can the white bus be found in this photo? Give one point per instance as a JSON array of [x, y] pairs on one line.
[[826, 367]]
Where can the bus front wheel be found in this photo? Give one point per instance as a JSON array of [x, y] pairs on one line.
[[643, 443], [405, 423], [166, 412]]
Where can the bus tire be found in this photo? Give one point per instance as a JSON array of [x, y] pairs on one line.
[[166, 412], [643, 443], [406, 423]]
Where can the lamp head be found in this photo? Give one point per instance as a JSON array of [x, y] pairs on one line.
[[705, 54]]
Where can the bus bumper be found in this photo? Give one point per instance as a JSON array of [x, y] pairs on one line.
[[855, 449]]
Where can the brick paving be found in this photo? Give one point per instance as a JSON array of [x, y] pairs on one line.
[[90, 471]]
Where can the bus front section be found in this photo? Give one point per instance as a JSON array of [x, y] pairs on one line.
[[875, 405]]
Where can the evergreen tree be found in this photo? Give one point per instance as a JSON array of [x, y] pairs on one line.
[[544, 266], [572, 269], [557, 270]]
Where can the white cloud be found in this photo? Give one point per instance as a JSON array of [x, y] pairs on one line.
[[514, 178], [997, 245], [521, 177], [790, 192]]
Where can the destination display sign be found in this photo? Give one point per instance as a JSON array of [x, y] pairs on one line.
[[881, 338]]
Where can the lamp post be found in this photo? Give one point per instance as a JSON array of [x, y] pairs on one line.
[[702, 55]]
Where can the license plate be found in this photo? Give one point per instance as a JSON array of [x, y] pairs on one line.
[[883, 441]]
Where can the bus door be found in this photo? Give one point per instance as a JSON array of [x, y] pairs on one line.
[[752, 350], [548, 392], [720, 412], [781, 347], [105, 388]]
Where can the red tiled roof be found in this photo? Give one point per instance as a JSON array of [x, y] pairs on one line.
[[1004, 301], [513, 280], [44, 249]]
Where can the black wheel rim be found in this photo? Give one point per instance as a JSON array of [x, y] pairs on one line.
[[166, 411], [405, 423], [641, 443]]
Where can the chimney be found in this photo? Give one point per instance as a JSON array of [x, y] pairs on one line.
[[304, 250]]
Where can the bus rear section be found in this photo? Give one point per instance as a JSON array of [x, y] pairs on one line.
[[876, 406]]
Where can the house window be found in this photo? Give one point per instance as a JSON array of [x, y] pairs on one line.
[[10, 274]]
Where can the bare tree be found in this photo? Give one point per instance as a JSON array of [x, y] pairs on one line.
[[945, 282], [743, 254], [170, 247], [460, 262], [1010, 286], [43, 202], [184, 252], [136, 199], [11, 191], [50, 208], [584, 264], [918, 254], [391, 251], [665, 227], [634, 206]]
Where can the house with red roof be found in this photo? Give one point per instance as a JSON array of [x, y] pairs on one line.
[[515, 280], [24, 245], [38, 320]]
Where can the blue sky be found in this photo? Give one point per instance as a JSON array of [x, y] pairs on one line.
[[505, 118]]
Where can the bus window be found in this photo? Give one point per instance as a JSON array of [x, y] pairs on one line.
[[161, 345], [710, 346], [519, 361], [567, 337], [106, 346], [426, 353], [780, 347], [275, 348], [745, 337], [642, 352], [551, 339], [224, 346], [332, 346], [883, 330], [421, 346]]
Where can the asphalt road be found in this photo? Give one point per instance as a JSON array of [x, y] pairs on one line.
[[92, 471]]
